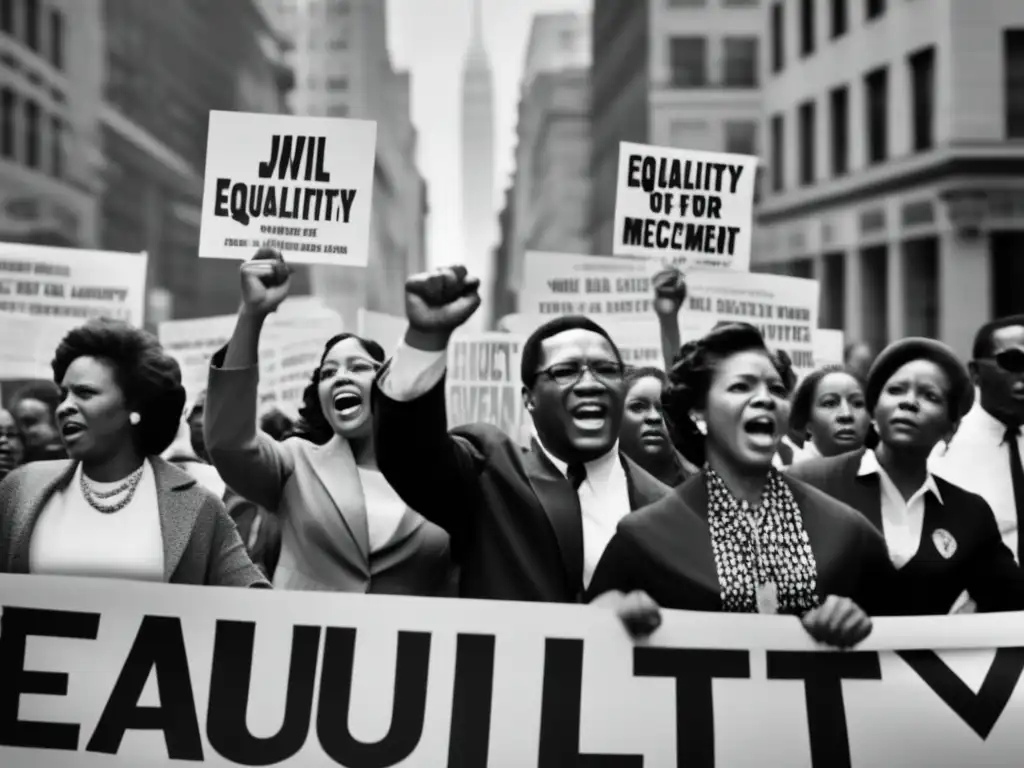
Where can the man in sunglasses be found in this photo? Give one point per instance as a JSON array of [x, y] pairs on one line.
[[525, 524], [985, 454]]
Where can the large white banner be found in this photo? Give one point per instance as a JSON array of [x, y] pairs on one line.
[[40, 281], [108, 673]]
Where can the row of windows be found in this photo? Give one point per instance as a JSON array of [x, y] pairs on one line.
[[315, 83], [39, 28], [30, 136], [705, 3], [839, 24], [921, 66], [688, 62]]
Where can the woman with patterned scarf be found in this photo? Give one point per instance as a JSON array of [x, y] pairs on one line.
[[740, 536]]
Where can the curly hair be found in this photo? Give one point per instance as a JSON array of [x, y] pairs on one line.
[[634, 373], [692, 373], [149, 378], [312, 424]]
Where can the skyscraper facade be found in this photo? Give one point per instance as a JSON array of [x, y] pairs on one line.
[[478, 210]]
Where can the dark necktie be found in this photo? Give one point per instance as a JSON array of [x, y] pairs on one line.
[[576, 473], [1017, 476]]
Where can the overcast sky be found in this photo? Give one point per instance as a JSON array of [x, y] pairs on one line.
[[429, 38]]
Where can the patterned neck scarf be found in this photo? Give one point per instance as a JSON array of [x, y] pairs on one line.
[[766, 545]]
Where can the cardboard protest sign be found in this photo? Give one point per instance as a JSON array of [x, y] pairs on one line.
[[40, 281], [122, 673], [483, 383], [387, 330], [694, 208], [301, 185], [28, 344], [828, 347]]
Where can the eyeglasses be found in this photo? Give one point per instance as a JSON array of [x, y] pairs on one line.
[[570, 374], [1010, 360]]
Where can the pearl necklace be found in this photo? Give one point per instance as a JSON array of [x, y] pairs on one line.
[[96, 498]]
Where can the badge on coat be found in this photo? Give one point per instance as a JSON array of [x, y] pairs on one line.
[[944, 542]]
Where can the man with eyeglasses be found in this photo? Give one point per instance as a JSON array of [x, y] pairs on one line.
[[984, 456], [525, 524]]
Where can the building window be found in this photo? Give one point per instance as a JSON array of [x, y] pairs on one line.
[[338, 44], [778, 153], [839, 124], [778, 37], [337, 83], [740, 3], [839, 25], [32, 134], [686, 3], [807, 27], [7, 17], [690, 134], [874, 8], [57, 38], [740, 62], [1013, 64], [688, 58], [876, 113], [337, 110], [807, 128], [32, 24], [8, 123], [922, 84], [57, 147], [339, 7], [741, 137]]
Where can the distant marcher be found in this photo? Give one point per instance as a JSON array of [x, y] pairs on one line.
[[34, 408], [829, 409], [644, 436], [858, 357], [12, 446]]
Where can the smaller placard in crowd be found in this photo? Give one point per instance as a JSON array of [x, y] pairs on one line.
[[689, 207], [300, 185], [828, 347], [42, 281]]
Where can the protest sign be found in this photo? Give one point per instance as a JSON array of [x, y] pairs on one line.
[[828, 347], [121, 673], [483, 383], [616, 290], [301, 185], [40, 281], [387, 330], [690, 207], [28, 344]]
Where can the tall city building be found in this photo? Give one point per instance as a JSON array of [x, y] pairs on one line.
[[551, 186], [674, 73], [338, 50], [478, 214], [167, 65], [895, 162], [51, 86]]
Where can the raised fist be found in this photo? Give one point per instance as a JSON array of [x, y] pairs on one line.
[[439, 301], [669, 292], [266, 279]]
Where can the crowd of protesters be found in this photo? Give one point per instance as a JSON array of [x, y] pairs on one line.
[[890, 485]]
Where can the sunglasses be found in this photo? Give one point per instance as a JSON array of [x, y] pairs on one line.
[[1010, 360]]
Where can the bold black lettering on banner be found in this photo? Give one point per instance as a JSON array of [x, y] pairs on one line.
[[230, 680], [241, 201], [694, 669], [823, 675], [560, 712], [652, 173], [158, 648], [407, 713], [470, 735], [689, 236], [15, 680], [980, 711]]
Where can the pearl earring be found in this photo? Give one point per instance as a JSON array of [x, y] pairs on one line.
[[134, 418], [699, 423]]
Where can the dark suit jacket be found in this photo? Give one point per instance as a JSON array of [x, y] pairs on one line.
[[665, 550], [513, 518], [201, 544], [931, 583]]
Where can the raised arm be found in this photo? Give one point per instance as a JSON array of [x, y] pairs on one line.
[[435, 473], [669, 295], [252, 463]]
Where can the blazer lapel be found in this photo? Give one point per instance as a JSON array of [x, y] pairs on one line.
[[178, 511], [335, 468], [642, 487], [562, 507], [29, 505]]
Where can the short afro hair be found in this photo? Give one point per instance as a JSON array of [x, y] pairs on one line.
[[312, 424], [532, 351], [983, 343], [149, 378], [46, 392], [635, 373]]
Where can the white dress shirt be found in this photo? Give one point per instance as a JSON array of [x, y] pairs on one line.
[[978, 461], [384, 508], [604, 495], [902, 519]]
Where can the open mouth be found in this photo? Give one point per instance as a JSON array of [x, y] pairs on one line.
[[70, 430], [590, 417], [761, 430], [347, 404]]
